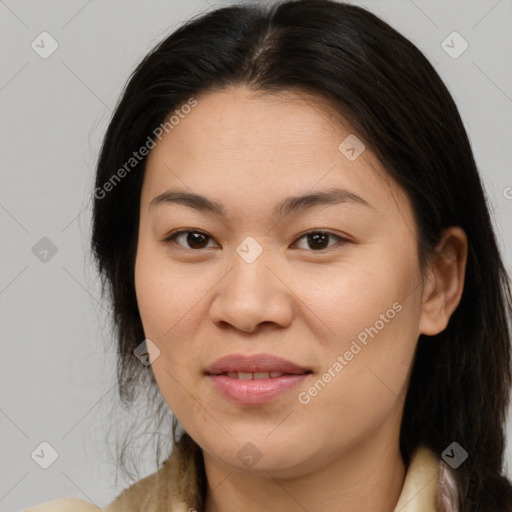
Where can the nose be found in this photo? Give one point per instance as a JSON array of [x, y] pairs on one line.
[[251, 295]]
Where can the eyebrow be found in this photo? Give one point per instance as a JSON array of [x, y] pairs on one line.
[[292, 204]]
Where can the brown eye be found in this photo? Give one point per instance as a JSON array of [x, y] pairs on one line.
[[195, 239], [319, 240]]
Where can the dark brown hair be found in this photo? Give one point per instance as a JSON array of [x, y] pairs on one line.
[[398, 105]]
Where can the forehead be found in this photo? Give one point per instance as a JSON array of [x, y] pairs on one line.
[[261, 145], [239, 120]]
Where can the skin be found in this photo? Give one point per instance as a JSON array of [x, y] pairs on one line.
[[249, 151]]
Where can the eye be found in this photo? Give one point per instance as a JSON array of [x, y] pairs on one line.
[[195, 239], [319, 240]]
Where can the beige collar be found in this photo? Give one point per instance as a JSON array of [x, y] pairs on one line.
[[419, 493]]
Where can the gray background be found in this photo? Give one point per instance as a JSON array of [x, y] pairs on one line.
[[57, 363]]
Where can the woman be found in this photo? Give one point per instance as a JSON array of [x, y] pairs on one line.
[[298, 250]]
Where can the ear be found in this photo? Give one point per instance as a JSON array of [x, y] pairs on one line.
[[445, 281]]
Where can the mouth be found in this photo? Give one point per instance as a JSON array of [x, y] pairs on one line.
[[255, 379]]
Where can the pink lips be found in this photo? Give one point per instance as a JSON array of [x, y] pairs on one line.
[[255, 379]]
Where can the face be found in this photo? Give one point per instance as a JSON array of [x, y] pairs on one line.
[[315, 303]]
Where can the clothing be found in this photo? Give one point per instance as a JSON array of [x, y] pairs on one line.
[[429, 487]]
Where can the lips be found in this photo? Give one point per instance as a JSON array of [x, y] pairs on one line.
[[256, 379]]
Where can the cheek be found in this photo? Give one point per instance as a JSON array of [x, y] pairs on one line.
[[346, 299], [372, 317], [166, 296], [164, 299], [171, 305]]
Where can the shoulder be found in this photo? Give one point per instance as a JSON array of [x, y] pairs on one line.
[[64, 505]]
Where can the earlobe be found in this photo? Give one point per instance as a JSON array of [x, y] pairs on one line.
[[445, 281]]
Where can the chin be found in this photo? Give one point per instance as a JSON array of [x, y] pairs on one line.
[[261, 457]]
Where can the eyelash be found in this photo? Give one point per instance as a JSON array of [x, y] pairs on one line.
[[172, 239]]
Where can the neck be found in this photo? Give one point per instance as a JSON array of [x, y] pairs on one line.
[[367, 477]]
